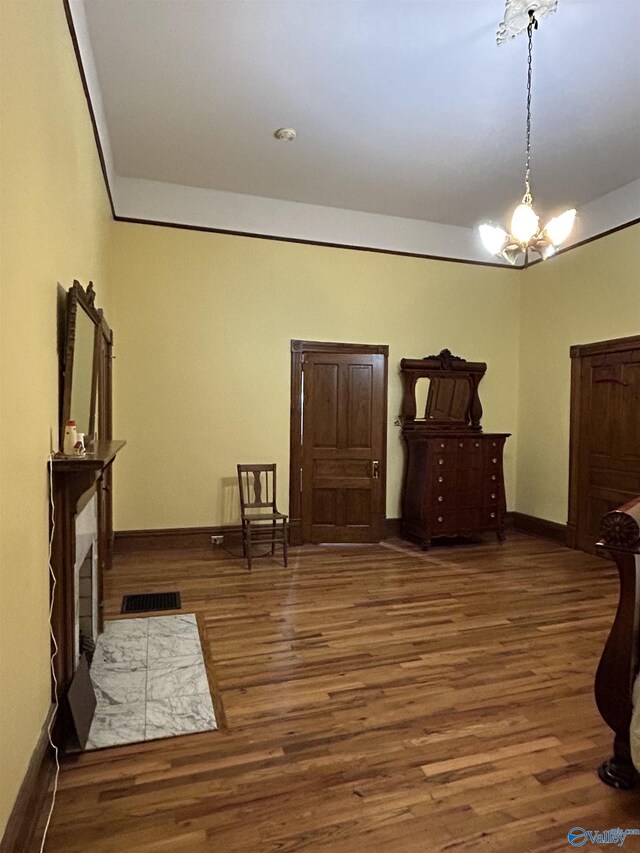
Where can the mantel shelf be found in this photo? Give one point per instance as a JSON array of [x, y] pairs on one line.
[[103, 454]]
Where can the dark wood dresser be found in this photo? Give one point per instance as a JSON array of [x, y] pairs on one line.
[[454, 482]]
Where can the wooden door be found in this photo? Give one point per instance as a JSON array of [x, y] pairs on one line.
[[343, 445], [606, 429]]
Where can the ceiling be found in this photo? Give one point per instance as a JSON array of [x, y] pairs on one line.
[[408, 109]]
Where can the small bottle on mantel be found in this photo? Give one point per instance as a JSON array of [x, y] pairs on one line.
[[70, 438]]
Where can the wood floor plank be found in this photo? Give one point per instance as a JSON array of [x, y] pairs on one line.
[[376, 697]]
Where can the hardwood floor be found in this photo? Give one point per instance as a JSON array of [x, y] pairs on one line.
[[377, 698]]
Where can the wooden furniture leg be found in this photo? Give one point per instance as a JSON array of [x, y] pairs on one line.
[[618, 665]]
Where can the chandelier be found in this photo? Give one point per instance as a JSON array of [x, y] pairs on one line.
[[526, 232]]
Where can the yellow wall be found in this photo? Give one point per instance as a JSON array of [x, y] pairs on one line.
[[203, 326], [591, 293], [54, 219]]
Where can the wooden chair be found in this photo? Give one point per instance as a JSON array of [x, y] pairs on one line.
[[261, 521]]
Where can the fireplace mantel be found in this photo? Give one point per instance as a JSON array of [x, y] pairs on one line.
[[103, 455], [75, 480]]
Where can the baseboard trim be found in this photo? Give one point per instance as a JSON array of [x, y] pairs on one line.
[[25, 827], [170, 538], [175, 538], [393, 528], [540, 527]]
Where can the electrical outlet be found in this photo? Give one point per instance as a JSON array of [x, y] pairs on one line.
[[217, 540]]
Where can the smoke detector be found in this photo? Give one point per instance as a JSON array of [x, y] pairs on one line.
[[286, 133]]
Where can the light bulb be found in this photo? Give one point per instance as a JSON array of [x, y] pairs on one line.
[[558, 229], [524, 223], [492, 237]]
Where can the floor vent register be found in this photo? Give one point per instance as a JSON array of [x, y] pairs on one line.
[[148, 601]]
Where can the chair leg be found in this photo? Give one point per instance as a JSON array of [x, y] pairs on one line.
[[248, 548], [285, 542], [273, 537]]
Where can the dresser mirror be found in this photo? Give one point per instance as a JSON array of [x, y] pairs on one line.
[[441, 391], [81, 360], [442, 398]]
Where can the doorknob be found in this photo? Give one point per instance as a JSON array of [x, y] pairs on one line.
[[375, 469]]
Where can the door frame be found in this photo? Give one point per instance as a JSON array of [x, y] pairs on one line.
[[576, 445], [298, 351]]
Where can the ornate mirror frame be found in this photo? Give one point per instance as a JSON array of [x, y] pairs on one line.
[[81, 300], [441, 366]]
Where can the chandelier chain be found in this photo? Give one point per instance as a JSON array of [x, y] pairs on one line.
[[527, 175], [527, 234]]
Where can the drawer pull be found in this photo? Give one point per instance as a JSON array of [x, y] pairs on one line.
[[493, 495], [477, 444], [494, 444], [442, 445], [493, 515], [494, 460], [441, 461], [440, 498], [461, 444], [493, 477], [440, 519], [441, 479]]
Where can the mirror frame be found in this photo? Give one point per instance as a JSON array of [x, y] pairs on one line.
[[444, 365], [79, 299]]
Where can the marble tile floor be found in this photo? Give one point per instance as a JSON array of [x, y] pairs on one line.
[[150, 681]]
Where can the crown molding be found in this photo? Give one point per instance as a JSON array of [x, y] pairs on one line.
[[236, 213]]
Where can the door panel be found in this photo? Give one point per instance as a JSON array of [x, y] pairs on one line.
[[609, 457], [359, 400], [325, 400], [630, 400], [324, 506], [337, 467], [357, 507], [343, 430]]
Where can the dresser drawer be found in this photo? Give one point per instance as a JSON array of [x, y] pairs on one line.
[[469, 454], [441, 445], [493, 462], [491, 494], [442, 488], [491, 517], [443, 498], [492, 447], [443, 479], [444, 460], [444, 522]]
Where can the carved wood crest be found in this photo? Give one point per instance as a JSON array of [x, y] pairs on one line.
[[446, 358]]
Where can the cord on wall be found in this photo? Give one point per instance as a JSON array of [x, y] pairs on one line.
[[55, 652]]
